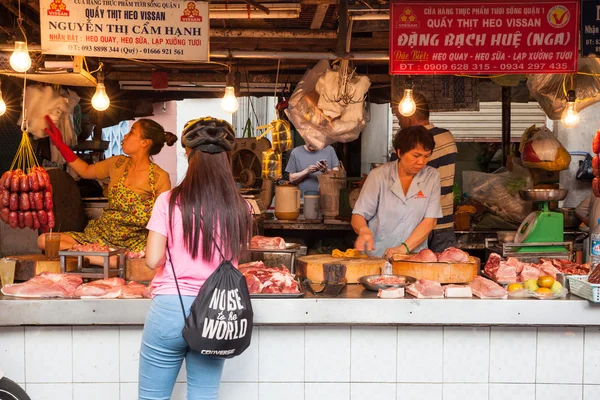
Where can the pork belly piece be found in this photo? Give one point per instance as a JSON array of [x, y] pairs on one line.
[[424, 255], [110, 288], [548, 268], [426, 289], [132, 290], [530, 271], [514, 262], [253, 283], [262, 279], [487, 289], [453, 255], [267, 243], [46, 284], [506, 273]]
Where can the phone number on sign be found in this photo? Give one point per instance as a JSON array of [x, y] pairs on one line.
[[487, 67]]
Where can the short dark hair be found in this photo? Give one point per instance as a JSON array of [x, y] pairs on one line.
[[407, 139], [422, 111], [154, 132]]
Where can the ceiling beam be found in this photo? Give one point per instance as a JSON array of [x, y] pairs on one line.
[[272, 33], [319, 16], [258, 5], [32, 24]]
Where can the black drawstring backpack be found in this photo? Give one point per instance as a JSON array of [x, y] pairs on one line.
[[221, 318]]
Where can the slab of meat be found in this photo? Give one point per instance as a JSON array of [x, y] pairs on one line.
[[46, 284], [426, 289], [451, 291], [530, 271], [453, 255], [548, 268], [424, 255], [487, 289], [132, 290], [514, 262], [101, 289], [267, 243], [262, 279], [569, 267], [492, 265], [390, 293], [506, 273]]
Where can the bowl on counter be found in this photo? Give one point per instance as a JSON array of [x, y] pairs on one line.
[[506, 236]]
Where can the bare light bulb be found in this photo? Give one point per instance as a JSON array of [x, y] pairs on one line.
[[229, 104], [20, 60], [570, 116], [2, 105], [100, 100], [407, 106]]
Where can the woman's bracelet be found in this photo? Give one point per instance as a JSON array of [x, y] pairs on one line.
[[406, 247]]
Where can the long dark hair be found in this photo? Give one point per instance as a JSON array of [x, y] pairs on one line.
[[208, 190]]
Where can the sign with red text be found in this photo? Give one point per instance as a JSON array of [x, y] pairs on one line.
[[485, 37], [151, 29]]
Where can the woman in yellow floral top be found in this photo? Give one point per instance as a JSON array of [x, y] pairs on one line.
[[135, 182]]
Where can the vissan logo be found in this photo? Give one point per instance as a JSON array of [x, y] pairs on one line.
[[407, 20]]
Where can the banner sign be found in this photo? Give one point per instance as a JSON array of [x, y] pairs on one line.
[[150, 29], [590, 27], [485, 37]]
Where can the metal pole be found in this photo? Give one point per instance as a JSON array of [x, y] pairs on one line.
[[506, 98]]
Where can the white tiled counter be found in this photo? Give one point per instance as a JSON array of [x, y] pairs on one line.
[[344, 348]]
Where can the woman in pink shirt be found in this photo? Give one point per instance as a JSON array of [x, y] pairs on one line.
[[208, 190]]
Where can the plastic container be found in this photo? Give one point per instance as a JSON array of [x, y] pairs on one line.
[[595, 246], [579, 286], [7, 271], [311, 204]]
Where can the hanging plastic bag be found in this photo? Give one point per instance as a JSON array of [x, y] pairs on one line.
[[540, 149], [271, 165], [585, 172]]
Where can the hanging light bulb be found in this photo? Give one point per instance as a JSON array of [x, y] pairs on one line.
[[407, 106], [20, 60], [229, 104], [2, 103], [570, 116], [100, 100]]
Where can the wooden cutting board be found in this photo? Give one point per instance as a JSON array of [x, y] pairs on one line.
[[136, 270], [28, 266], [439, 272], [320, 267]]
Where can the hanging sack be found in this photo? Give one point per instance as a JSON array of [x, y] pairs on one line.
[[221, 318]]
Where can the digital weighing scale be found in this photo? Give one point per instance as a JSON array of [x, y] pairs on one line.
[[542, 226]]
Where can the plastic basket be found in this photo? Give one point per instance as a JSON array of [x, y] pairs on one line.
[[579, 286]]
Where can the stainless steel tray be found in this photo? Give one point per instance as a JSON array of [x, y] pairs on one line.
[[365, 281], [507, 249], [273, 257]]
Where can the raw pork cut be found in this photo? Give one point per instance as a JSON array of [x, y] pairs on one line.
[[390, 293], [132, 290], [101, 289], [549, 269], [530, 271], [569, 267], [487, 289], [46, 284], [451, 291], [453, 255], [94, 247], [426, 289], [262, 279], [267, 243], [506, 273], [424, 255], [492, 265]]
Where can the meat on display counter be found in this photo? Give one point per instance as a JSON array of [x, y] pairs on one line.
[[353, 346]]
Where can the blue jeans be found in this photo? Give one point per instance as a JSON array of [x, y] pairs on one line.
[[163, 350]]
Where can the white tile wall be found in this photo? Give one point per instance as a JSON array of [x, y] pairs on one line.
[[591, 356], [279, 391], [512, 391], [234, 391], [130, 339], [49, 355], [329, 391], [96, 354], [12, 347], [420, 353], [96, 391], [329, 357], [466, 354], [560, 355], [591, 392], [373, 354], [370, 391], [465, 391], [281, 354], [243, 368], [412, 391], [50, 391], [129, 391], [558, 392], [512, 355]]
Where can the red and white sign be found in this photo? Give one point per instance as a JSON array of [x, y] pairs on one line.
[[145, 29], [485, 37]]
